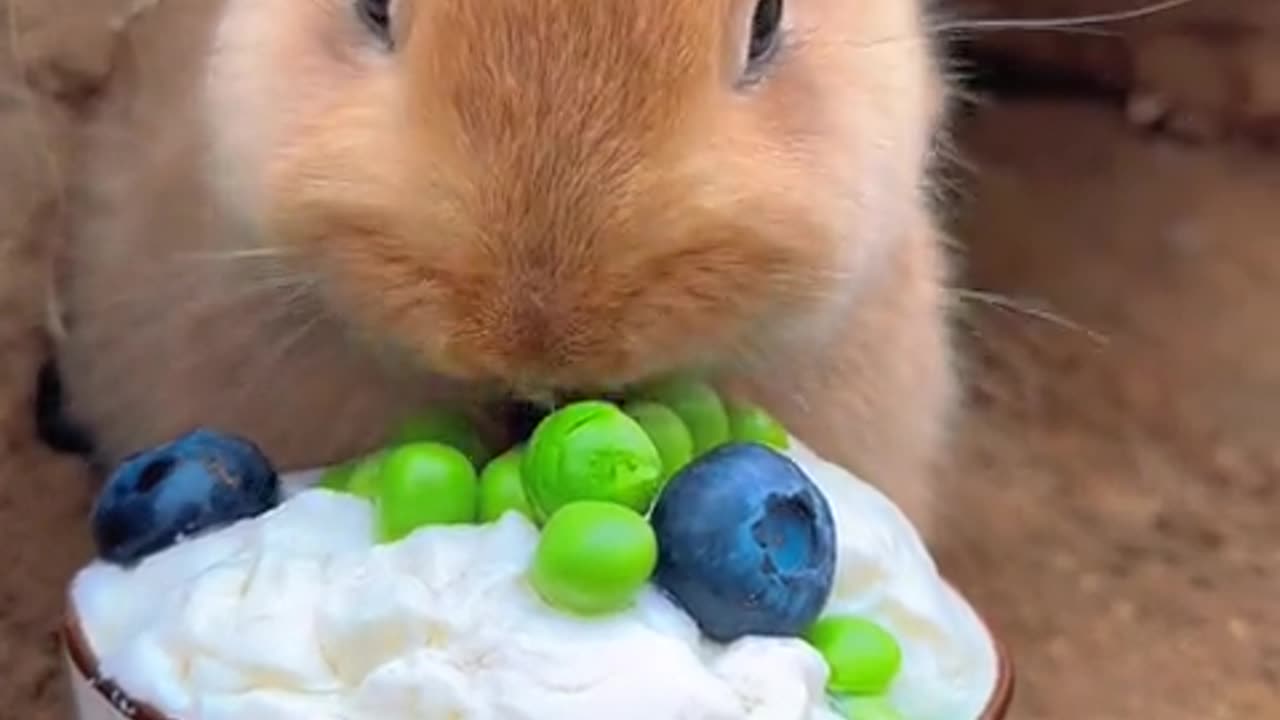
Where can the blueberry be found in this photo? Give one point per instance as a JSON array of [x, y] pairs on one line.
[[199, 481], [746, 543]]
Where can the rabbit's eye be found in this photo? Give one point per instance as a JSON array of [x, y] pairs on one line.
[[377, 15], [764, 31]]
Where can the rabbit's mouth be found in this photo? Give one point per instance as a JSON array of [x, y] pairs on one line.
[[540, 405], [519, 415]]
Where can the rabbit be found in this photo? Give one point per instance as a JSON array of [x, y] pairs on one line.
[[303, 220]]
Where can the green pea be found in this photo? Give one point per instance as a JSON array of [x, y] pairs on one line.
[[868, 708], [447, 427], [590, 450], [337, 477], [667, 431], [862, 656], [367, 476], [593, 558], [423, 484], [358, 477], [698, 404], [502, 487], [751, 423]]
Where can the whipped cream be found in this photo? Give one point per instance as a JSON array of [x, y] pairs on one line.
[[299, 615]]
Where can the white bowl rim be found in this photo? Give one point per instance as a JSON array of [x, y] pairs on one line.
[[80, 655]]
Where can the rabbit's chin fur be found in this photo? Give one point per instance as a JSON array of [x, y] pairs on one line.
[[287, 231]]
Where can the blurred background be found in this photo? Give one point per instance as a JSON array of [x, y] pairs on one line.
[[1115, 199]]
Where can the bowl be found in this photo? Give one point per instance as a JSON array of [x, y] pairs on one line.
[[97, 698]]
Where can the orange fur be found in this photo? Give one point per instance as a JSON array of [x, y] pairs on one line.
[[535, 196]]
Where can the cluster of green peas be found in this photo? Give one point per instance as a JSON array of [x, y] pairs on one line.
[[588, 475], [588, 450]]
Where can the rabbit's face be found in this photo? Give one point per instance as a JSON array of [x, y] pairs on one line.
[[574, 194]]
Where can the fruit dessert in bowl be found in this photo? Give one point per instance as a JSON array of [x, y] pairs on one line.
[[671, 555]]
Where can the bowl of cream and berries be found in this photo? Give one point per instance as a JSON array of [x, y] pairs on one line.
[[670, 556]]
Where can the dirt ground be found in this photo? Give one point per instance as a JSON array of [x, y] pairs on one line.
[[1115, 498], [1203, 70], [1112, 504]]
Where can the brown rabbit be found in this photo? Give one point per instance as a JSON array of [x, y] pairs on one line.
[[303, 219]]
